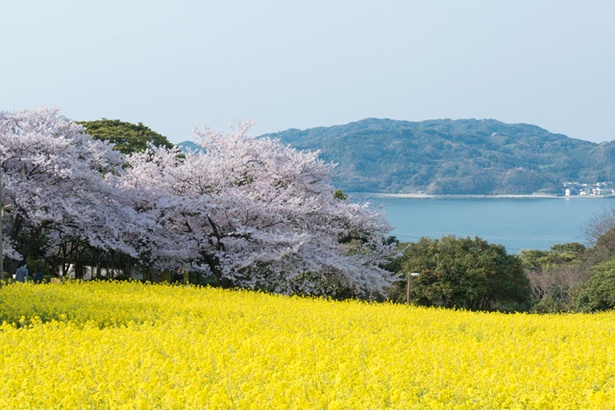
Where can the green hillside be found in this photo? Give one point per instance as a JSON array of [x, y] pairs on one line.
[[454, 156]]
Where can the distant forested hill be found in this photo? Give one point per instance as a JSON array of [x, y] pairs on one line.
[[454, 156]]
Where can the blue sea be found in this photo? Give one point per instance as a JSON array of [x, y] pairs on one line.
[[516, 223]]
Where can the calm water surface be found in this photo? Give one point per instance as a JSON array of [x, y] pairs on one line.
[[516, 223]]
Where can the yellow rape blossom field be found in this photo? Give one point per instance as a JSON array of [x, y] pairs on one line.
[[129, 345]]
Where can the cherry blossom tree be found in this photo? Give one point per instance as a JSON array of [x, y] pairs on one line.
[[251, 212], [57, 185], [257, 214]]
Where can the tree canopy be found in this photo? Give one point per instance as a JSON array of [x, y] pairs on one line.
[[126, 138], [57, 184], [249, 211], [257, 214], [597, 293], [465, 273]]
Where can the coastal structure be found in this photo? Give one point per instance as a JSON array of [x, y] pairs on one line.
[[603, 188]]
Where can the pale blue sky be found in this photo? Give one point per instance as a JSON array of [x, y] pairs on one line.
[[178, 64]]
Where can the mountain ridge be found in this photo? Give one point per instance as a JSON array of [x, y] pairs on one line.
[[462, 157]]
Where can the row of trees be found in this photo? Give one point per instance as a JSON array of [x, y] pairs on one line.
[[472, 274], [257, 214], [573, 277], [249, 212]]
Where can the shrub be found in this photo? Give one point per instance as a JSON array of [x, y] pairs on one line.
[[598, 293], [466, 273], [548, 305]]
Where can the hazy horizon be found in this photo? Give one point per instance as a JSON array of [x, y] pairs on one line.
[[174, 65]]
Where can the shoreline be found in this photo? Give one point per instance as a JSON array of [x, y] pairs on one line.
[[461, 196]]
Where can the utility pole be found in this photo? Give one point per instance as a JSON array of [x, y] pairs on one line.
[[410, 275]]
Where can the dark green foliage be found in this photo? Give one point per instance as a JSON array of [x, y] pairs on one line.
[[549, 305], [127, 137], [598, 293], [573, 249], [465, 273], [553, 274], [571, 277], [339, 195], [454, 156], [604, 248], [558, 254]]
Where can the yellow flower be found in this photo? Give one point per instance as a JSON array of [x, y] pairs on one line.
[[91, 345]]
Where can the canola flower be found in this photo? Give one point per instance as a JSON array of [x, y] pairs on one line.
[[93, 345]]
